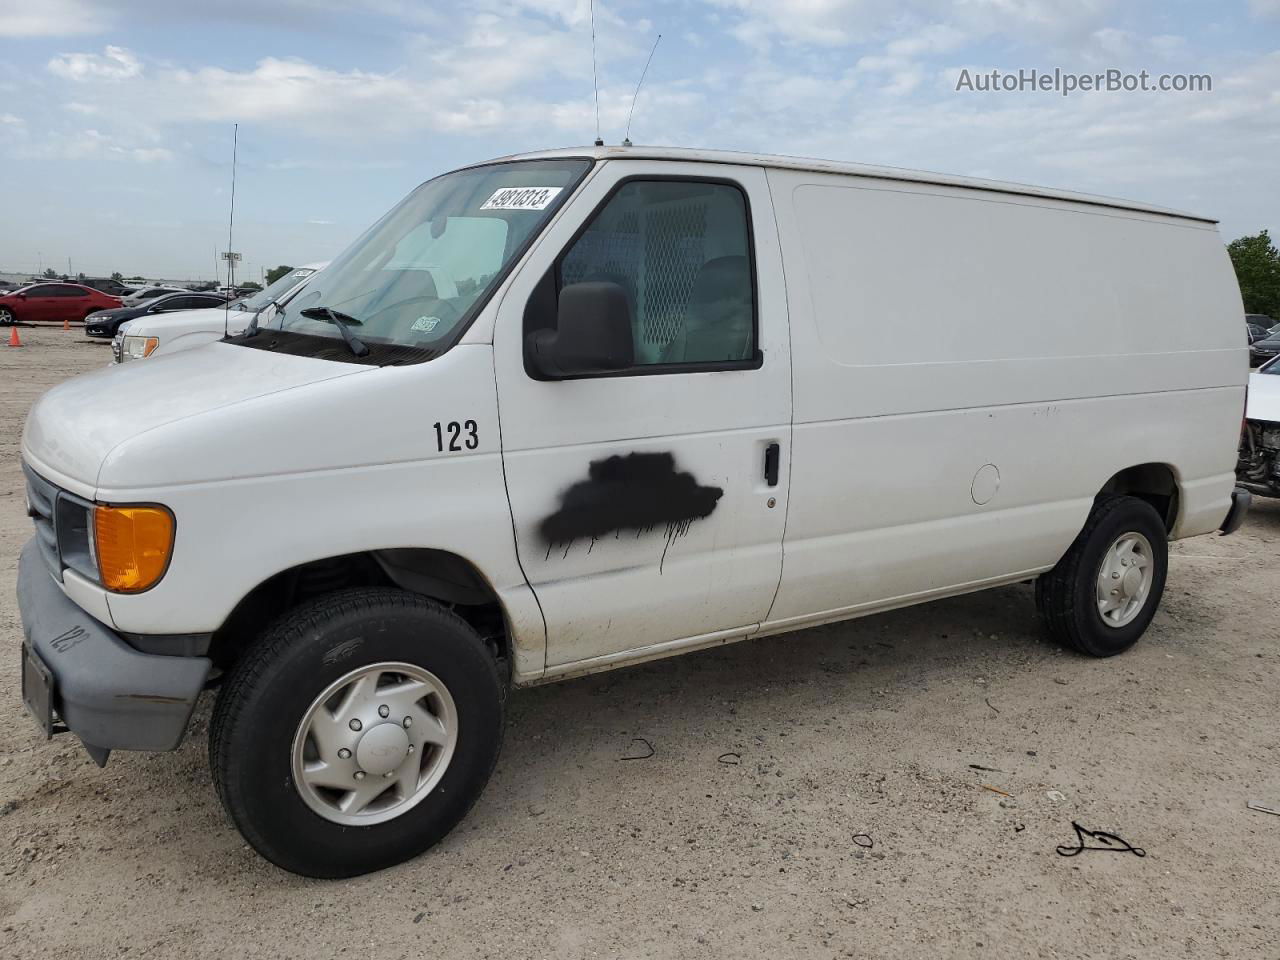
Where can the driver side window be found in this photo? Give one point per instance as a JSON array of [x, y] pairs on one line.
[[681, 252]]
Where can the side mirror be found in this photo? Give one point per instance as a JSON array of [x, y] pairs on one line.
[[592, 335], [22, 295]]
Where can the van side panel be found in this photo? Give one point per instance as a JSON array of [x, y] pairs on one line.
[[970, 369]]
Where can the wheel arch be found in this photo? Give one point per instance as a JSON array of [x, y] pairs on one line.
[[436, 574], [1156, 483]]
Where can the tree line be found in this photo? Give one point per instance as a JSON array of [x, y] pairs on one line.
[[1257, 264]]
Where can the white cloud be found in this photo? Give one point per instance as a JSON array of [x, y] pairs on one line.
[[1265, 8], [486, 78], [114, 63], [12, 128], [1112, 42], [1169, 45], [89, 144], [833, 23], [48, 18]]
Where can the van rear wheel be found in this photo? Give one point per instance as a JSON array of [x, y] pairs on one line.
[[1102, 594], [357, 732]]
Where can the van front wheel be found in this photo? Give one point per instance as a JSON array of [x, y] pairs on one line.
[[1103, 593], [356, 733]]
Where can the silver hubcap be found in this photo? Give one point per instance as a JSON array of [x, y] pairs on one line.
[[374, 743], [1124, 579]]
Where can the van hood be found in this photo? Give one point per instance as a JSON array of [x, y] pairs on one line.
[[72, 428], [1264, 396]]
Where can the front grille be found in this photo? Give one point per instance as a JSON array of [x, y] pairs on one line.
[[117, 347], [42, 498]]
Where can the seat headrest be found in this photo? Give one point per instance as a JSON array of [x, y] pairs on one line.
[[719, 279]]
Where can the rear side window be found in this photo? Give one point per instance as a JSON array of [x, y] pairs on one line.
[[681, 252]]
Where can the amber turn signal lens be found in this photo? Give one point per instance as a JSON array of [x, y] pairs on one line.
[[133, 546]]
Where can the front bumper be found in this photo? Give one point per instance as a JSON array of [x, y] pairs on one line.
[[103, 333], [108, 694]]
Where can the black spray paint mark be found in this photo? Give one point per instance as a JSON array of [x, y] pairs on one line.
[[639, 492]]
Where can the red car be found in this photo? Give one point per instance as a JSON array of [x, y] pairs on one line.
[[54, 302]]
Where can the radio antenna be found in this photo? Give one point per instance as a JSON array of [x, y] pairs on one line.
[[231, 223], [595, 80], [626, 137]]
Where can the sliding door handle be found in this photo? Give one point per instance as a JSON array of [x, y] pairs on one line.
[[772, 453]]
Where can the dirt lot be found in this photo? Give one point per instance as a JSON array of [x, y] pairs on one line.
[[870, 727]]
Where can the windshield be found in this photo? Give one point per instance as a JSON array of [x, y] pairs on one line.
[[274, 291], [414, 278]]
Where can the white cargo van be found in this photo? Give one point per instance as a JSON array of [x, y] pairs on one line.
[[573, 410], [155, 336]]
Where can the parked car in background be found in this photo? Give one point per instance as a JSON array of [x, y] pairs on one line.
[[150, 292], [54, 302], [149, 335], [109, 286], [1260, 351], [1262, 320], [1257, 331], [106, 323], [1258, 468]]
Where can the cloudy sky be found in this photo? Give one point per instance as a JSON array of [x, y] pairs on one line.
[[116, 115]]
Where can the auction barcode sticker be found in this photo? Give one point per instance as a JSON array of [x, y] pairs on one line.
[[521, 198]]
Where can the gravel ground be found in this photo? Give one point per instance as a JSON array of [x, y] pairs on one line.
[[737, 837]]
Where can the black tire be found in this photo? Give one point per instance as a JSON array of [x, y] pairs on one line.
[[6, 317], [270, 689], [1066, 596]]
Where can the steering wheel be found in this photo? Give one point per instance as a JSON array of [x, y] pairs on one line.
[[441, 311]]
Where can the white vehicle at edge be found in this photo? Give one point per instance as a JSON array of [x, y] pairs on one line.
[[149, 291], [168, 333], [573, 410], [1258, 469]]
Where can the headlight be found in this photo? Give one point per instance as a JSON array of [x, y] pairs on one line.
[[123, 548], [135, 348], [74, 523], [133, 545]]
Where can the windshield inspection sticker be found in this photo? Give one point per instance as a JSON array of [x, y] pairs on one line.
[[521, 198], [425, 324]]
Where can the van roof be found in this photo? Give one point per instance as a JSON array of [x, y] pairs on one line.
[[851, 169]]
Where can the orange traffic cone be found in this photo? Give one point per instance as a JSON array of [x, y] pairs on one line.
[[14, 340], [66, 323]]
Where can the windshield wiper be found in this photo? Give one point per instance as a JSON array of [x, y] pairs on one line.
[[343, 322], [252, 329]]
